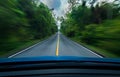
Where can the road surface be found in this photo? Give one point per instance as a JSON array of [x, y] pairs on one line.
[[57, 45]]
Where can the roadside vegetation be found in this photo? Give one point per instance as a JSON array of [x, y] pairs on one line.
[[96, 24], [24, 21]]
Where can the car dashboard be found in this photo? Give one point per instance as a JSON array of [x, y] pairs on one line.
[[59, 67]]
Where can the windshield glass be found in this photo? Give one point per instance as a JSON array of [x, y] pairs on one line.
[[83, 28]]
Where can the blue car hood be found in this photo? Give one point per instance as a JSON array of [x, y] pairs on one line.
[[60, 58]]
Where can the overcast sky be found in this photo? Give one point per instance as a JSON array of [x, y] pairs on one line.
[[60, 6]]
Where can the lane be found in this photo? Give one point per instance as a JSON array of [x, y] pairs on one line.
[[57, 45], [46, 48], [70, 48]]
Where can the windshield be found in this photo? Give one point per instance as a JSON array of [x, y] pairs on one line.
[[83, 28]]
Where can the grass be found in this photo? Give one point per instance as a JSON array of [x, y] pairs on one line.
[[4, 54], [100, 51]]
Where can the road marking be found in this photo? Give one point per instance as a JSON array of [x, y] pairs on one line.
[[88, 49], [22, 51], [57, 48], [28, 48], [85, 48]]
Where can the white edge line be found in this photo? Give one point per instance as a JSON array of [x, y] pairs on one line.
[[28, 48], [87, 49], [23, 50]]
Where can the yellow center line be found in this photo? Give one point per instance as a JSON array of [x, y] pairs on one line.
[[57, 48]]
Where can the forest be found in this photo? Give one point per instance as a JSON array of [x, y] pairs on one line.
[[94, 23], [23, 21]]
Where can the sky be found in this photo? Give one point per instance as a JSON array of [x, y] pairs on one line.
[[60, 6]]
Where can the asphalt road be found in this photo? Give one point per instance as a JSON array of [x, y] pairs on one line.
[[57, 45]]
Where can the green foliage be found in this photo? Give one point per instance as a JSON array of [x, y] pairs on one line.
[[110, 38], [89, 34], [105, 35], [22, 21], [95, 25]]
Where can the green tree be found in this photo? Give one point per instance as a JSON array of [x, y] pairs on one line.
[[22, 21]]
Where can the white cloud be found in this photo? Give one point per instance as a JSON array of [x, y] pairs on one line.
[[64, 7], [52, 3], [106, 0], [60, 6]]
